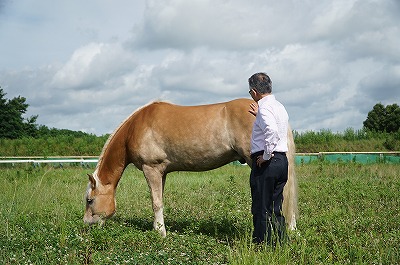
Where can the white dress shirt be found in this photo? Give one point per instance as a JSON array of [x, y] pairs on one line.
[[270, 128]]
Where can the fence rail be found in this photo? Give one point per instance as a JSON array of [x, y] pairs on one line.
[[60, 160], [300, 158]]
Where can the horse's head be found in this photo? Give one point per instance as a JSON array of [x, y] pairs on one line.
[[100, 201]]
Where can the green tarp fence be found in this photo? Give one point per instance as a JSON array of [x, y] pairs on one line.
[[362, 158]]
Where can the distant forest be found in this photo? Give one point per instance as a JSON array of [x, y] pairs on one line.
[[21, 136]]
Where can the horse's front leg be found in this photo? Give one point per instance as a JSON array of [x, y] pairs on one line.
[[156, 179]]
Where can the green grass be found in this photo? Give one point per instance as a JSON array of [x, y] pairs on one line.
[[349, 214]]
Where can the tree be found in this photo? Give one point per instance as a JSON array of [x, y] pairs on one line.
[[383, 119], [392, 118], [12, 123]]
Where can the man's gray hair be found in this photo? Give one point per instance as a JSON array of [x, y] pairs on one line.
[[261, 83]]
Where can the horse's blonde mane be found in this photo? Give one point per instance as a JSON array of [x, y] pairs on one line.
[[111, 137]]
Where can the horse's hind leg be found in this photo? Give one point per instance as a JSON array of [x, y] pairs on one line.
[[155, 180]]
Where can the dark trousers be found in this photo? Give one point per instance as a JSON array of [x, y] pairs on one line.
[[267, 183]]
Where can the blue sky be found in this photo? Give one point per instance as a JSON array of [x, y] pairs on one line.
[[86, 65]]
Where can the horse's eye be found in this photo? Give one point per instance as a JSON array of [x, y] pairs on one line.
[[89, 201]]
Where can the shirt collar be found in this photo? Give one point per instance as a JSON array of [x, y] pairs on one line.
[[266, 99]]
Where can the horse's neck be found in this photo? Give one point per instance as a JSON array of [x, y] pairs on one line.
[[112, 163]]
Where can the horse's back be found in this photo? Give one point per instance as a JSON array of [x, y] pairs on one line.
[[179, 121]]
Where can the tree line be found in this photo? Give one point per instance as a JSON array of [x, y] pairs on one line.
[[22, 136], [13, 125], [383, 119]]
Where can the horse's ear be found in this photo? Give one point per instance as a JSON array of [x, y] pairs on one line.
[[92, 180]]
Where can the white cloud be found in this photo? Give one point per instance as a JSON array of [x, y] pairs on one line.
[[94, 64], [88, 65], [223, 25]]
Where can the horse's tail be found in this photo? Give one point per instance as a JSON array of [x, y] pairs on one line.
[[290, 210]]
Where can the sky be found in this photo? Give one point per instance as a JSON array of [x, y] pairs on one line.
[[87, 65]]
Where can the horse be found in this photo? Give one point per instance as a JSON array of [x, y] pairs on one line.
[[161, 137]]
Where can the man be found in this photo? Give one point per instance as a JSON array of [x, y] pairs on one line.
[[269, 169]]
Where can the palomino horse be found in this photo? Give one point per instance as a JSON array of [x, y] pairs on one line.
[[160, 138]]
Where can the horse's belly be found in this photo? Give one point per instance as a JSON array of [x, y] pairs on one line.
[[201, 159]]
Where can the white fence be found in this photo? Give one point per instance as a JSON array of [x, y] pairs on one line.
[[37, 160]]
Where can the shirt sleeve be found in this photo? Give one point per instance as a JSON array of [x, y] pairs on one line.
[[269, 127]]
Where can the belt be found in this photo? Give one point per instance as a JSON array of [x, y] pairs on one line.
[[253, 155]]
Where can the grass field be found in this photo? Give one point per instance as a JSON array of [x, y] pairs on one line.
[[349, 214]]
